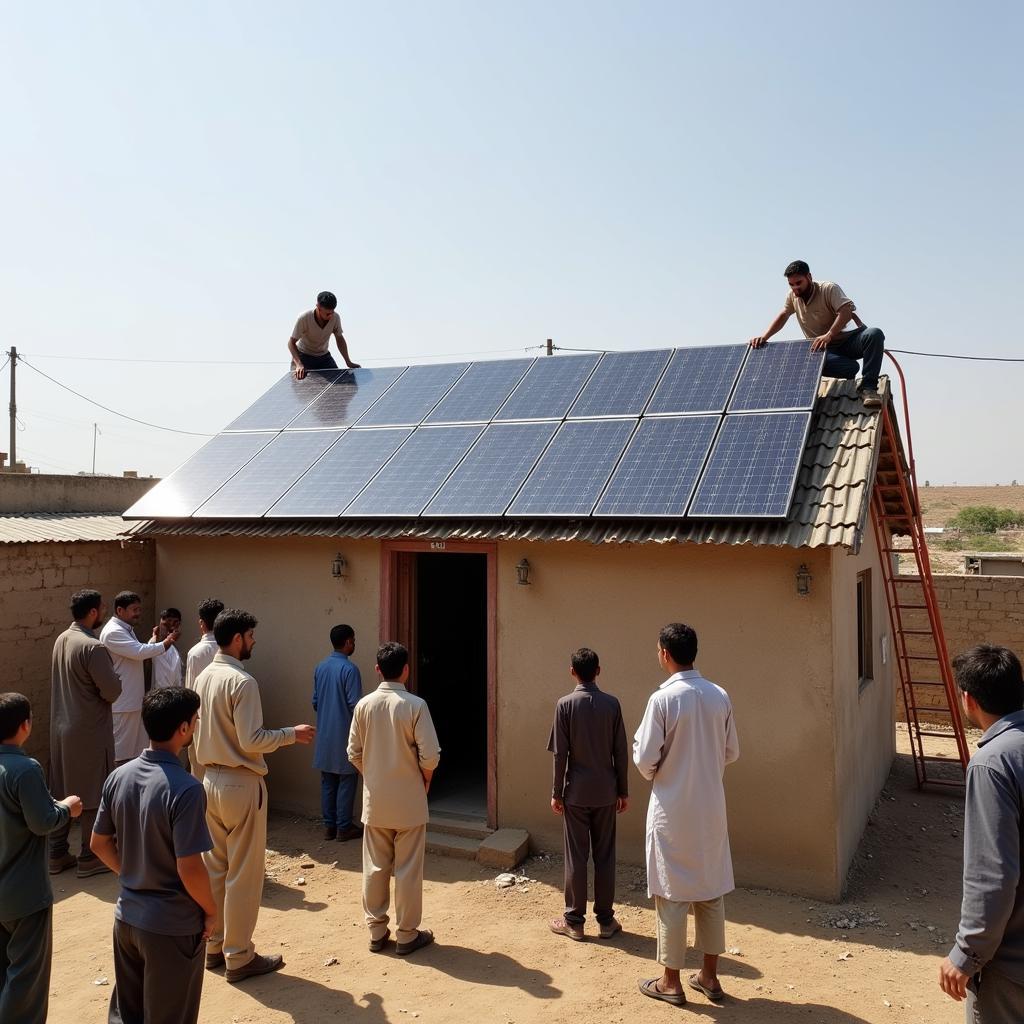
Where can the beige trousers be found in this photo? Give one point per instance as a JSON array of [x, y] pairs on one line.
[[236, 813], [708, 924], [398, 852]]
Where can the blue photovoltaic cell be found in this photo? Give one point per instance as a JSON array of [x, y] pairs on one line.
[[340, 475], [548, 389], [408, 482], [621, 384], [782, 375], [284, 401], [180, 494], [571, 474], [698, 380], [488, 477], [660, 468], [259, 483], [480, 392], [347, 398], [413, 395], [753, 466]]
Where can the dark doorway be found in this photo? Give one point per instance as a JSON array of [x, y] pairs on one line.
[[450, 652]]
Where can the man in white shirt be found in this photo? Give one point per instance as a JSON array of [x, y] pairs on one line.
[[167, 667], [128, 654], [309, 345], [684, 742], [199, 656]]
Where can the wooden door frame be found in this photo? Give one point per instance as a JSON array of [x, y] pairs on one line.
[[389, 619]]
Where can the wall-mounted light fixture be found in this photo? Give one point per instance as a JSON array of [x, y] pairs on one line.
[[523, 573], [803, 580], [339, 567]]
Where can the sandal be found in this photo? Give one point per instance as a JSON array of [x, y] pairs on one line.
[[716, 995], [376, 945], [423, 938], [650, 988]]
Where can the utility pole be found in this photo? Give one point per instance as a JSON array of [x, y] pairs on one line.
[[95, 431], [550, 347], [13, 408]]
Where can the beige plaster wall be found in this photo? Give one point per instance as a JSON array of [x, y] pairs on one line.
[[46, 492], [863, 723]]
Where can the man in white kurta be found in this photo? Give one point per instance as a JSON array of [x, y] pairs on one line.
[[199, 656], [167, 667], [685, 740]]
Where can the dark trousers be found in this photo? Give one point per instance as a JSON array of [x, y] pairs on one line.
[[867, 343], [993, 998], [158, 979], [59, 837], [337, 795], [324, 362], [589, 829], [26, 947]]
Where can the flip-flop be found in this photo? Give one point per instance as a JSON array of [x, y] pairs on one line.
[[716, 995], [649, 988]]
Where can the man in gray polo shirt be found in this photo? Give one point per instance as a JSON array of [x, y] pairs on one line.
[[151, 831], [986, 964]]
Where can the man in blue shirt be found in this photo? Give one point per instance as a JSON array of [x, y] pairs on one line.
[[337, 688], [151, 831]]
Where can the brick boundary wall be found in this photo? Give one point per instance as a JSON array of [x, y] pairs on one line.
[[36, 583]]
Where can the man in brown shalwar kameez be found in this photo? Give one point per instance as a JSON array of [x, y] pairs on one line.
[[83, 687]]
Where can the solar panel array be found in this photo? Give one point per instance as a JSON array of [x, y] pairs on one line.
[[712, 431]]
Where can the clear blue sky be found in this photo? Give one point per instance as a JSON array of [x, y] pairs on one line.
[[179, 181]]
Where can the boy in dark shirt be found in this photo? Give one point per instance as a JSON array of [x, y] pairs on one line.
[[28, 814], [588, 739]]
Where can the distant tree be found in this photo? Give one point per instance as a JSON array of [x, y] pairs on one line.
[[927, 483]]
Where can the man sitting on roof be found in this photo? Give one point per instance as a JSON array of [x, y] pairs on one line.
[[823, 310], [311, 338]]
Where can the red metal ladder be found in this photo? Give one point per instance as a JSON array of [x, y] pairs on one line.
[[930, 694]]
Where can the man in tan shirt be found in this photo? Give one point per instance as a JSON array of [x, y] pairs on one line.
[[309, 345], [822, 309], [230, 742], [393, 745]]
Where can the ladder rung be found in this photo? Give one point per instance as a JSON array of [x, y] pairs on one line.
[[917, 632], [940, 758], [937, 735], [909, 607], [920, 657]]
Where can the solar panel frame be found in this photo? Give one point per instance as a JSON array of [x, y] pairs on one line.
[[698, 381], [564, 377], [528, 441], [348, 398], [361, 454], [425, 384], [605, 396], [206, 472], [283, 402], [782, 376], [796, 423], [243, 497], [409, 474], [653, 457], [562, 466], [472, 390]]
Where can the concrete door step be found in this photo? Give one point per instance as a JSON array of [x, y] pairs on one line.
[[458, 825], [503, 849], [450, 845]]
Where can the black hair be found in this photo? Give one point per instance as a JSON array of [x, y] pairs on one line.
[[796, 267], [992, 676], [340, 635], [209, 610], [14, 709], [392, 657], [680, 641], [171, 613], [230, 623], [83, 602], [126, 598], [585, 664], [165, 709], [328, 300]]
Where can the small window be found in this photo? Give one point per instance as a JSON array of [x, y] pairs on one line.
[[865, 633]]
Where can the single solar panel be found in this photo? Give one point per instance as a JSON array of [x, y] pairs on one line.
[[548, 389], [348, 398], [698, 380], [782, 375], [333, 481], [180, 494], [260, 482], [572, 473], [488, 477], [406, 484], [284, 401], [753, 467], [621, 385], [660, 468], [407, 402], [480, 392]]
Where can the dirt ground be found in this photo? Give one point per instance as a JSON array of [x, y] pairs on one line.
[[940, 504], [872, 958]]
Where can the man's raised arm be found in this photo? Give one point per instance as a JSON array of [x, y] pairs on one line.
[[760, 340]]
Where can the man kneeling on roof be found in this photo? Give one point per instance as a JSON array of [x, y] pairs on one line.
[[310, 342], [823, 310]]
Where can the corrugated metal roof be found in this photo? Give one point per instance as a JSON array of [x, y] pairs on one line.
[[829, 508], [63, 527]]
